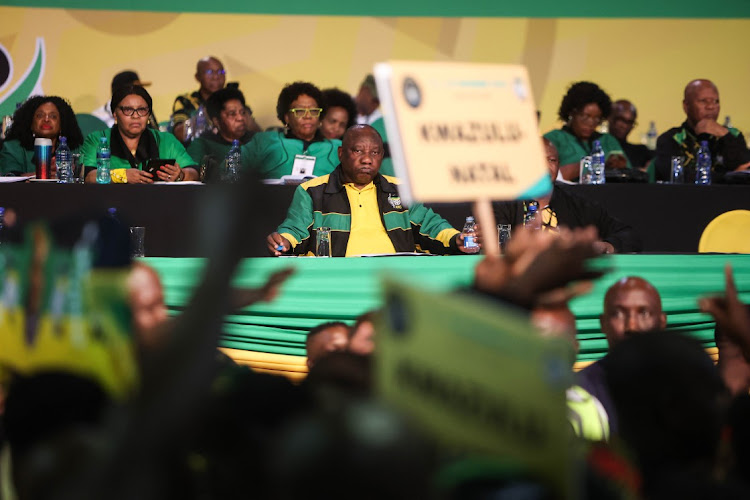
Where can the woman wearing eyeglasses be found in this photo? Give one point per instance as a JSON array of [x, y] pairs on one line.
[[132, 143], [275, 153], [49, 117], [583, 109]]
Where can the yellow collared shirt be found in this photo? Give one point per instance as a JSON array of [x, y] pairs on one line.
[[367, 233]]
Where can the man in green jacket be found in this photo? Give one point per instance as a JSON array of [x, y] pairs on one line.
[[362, 208]]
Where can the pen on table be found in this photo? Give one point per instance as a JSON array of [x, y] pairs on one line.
[[280, 247]]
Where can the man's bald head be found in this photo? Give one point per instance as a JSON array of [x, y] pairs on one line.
[[696, 85], [622, 119], [556, 321], [701, 101], [632, 305], [210, 74], [149, 311], [356, 131], [624, 104]]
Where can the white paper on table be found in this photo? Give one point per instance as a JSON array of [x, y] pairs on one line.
[[14, 179]]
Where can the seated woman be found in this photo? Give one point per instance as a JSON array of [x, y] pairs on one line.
[[583, 108], [273, 154], [132, 143], [227, 111], [340, 113], [50, 117]]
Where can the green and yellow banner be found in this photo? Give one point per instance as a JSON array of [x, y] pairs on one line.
[[641, 50]]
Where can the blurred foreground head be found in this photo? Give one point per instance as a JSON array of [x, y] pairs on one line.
[[326, 338], [149, 311], [361, 450], [362, 335], [670, 402]]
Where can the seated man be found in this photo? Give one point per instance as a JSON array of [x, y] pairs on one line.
[[227, 111], [631, 306], [368, 113], [621, 123], [211, 76], [362, 208], [728, 148], [562, 208], [325, 339], [586, 414]]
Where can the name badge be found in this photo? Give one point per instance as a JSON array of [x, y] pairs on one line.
[[303, 165]]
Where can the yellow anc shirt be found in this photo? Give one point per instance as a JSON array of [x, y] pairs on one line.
[[367, 233]]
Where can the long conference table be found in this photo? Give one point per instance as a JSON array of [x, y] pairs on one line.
[[177, 218], [668, 218]]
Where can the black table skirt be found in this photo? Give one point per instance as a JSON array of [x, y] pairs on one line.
[[669, 219]]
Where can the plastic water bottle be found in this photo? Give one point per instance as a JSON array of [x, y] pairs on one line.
[[651, 137], [703, 165], [232, 161], [469, 235], [727, 122], [200, 122], [532, 219], [597, 164], [102, 162], [64, 162]]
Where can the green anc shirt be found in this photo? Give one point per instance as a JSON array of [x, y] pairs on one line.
[[272, 154], [571, 149]]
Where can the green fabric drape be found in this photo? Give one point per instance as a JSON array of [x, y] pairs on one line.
[[341, 289]]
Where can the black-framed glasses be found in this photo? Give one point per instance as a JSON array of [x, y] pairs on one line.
[[302, 112], [212, 72], [128, 111]]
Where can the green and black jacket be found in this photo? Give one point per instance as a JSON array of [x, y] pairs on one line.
[[727, 153], [323, 202]]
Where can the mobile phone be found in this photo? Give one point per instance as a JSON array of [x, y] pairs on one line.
[[155, 164]]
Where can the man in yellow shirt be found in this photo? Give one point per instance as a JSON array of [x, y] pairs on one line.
[[362, 208]]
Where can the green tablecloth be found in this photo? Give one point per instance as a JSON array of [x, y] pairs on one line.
[[341, 289]]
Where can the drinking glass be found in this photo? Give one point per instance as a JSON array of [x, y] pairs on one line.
[[586, 170], [677, 175], [323, 242], [503, 236], [137, 241]]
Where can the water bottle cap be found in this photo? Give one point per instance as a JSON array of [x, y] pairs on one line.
[[704, 144], [102, 139], [597, 143], [470, 219], [235, 142], [112, 211], [533, 207], [63, 139]]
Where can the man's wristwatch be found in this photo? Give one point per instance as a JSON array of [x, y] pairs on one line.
[[181, 176]]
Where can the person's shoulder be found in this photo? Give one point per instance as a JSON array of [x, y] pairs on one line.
[[12, 145], [674, 131], [247, 137], [392, 180], [96, 135], [318, 181], [556, 133], [165, 137], [268, 136]]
